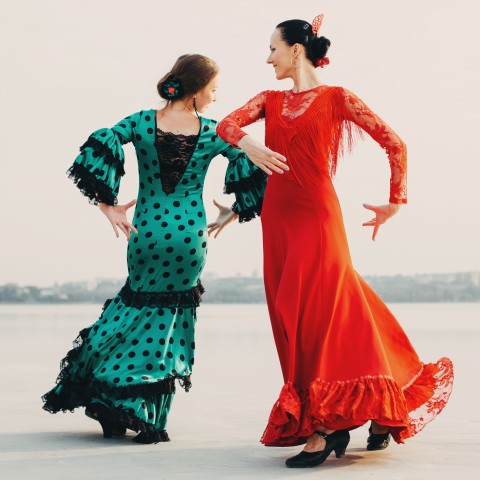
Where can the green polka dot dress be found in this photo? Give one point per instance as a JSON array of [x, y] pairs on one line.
[[144, 341]]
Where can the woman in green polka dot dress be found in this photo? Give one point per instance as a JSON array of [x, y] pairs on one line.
[[123, 367]]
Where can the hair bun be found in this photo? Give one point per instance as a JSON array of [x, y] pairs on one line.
[[171, 88], [320, 46]]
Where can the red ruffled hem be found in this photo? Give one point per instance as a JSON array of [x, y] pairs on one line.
[[350, 404]]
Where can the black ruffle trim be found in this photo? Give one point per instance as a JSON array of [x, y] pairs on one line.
[[246, 184], [81, 394], [119, 417], [185, 298], [93, 188], [102, 150], [249, 213]]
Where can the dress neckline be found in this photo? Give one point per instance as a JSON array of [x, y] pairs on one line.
[[286, 121], [183, 135], [306, 91], [179, 134]]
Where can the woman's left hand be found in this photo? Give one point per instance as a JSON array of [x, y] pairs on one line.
[[382, 214], [225, 216]]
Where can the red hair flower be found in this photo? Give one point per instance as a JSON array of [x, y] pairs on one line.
[[172, 88], [321, 62]]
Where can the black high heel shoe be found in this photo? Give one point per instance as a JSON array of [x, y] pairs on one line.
[[103, 416], [335, 442], [377, 441]]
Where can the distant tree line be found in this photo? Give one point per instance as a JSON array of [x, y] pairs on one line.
[[454, 287]]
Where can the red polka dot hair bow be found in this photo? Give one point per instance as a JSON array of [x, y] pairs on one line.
[[317, 23]]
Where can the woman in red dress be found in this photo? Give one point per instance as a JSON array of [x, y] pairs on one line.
[[344, 357]]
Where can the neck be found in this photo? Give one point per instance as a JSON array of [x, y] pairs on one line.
[[181, 106], [305, 78]]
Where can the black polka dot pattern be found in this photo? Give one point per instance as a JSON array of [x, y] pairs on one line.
[[134, 346]]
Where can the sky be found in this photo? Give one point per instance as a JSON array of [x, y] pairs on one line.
[[71, 67]]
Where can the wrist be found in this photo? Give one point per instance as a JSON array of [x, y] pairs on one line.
[[103, 206], [243, 141]]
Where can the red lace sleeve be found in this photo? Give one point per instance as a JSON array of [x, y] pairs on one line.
[[229, 129], [361, 115]]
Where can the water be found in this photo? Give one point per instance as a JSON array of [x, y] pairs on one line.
[[235, 382]]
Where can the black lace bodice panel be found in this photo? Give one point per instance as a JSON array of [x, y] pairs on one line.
[[174, 153]]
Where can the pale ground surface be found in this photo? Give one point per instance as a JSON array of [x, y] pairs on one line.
[[216, 426]]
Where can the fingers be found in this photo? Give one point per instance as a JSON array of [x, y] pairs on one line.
[[220, 206], [278, 156], [370, 207], [264, 168], [124, 230], [130, 204], [276, 165], [220, 228], [131, 227], [271, 162], [375, 223], [212, 227], [275, 169], [115, 229], [277, 162]]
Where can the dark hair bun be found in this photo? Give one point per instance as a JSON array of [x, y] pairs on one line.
[[190, 74], [300, 31], [320, 46], [171, 88]]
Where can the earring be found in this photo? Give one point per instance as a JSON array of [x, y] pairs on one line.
[[292, 64], [195, 106]]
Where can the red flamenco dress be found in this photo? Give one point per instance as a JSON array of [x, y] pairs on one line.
[[344, 357]]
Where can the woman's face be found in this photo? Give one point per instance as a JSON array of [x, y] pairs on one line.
[[206, 96], [281, 55]]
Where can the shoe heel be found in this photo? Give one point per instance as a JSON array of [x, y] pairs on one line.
[[341, 449], [340, 452], [107, 429]]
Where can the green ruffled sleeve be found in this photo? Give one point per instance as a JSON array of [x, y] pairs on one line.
[[247, 182], [99, 167]]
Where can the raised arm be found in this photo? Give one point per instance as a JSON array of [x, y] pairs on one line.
[[357, 112], [230, 130], [99, 167]]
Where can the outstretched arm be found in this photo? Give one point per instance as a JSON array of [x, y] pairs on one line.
[[359, 113]]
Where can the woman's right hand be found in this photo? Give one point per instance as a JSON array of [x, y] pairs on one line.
[[262, 156], [117, 216]]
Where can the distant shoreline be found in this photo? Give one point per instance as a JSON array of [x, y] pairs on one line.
[[426, 288]]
